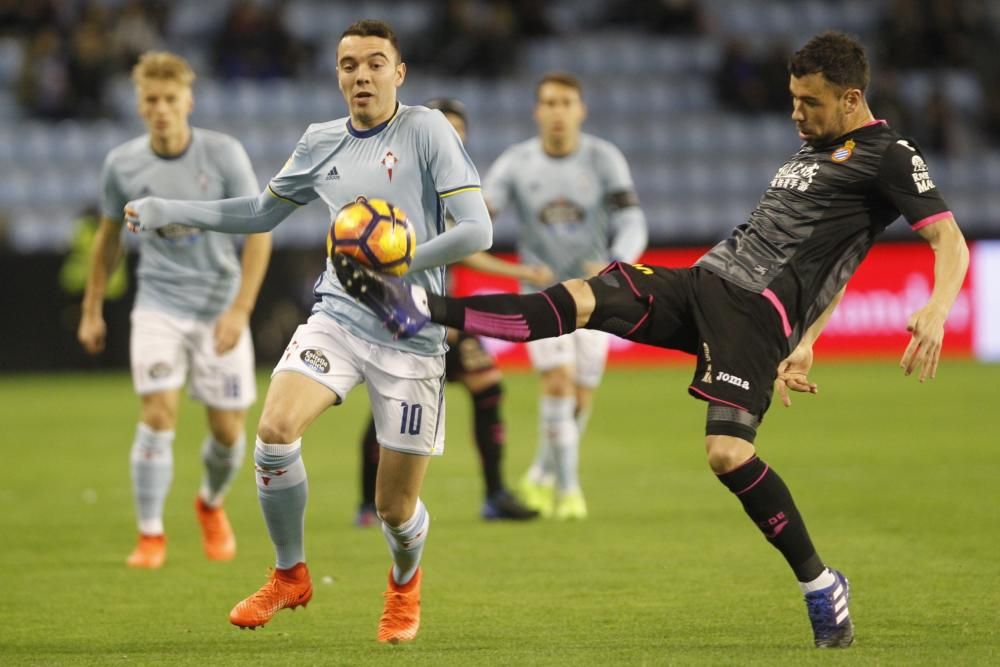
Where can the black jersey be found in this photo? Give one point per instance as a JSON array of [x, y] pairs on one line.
[[820, 216]]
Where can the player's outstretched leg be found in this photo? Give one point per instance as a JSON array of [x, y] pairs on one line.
[[406, 309], [387, 296]]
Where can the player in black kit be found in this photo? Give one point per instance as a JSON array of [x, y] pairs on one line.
[[751, 308]]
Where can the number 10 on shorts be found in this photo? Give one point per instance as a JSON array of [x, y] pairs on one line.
[[410, 423]]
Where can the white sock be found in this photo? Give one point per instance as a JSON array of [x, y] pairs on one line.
[[283, 489], [406, 543], [582, 419], [543, 467], [824, 580], [564, 439], [152, 460], [221, 465]]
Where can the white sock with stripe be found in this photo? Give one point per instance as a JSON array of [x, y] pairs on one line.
[[406, 543], [824, 580], [282, 489], [152, 463], [559, 422], [221, 465]]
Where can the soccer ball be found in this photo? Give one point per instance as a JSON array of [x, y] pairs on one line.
[[375, 233]]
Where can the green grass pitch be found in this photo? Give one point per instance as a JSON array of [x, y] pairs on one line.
[[898, 482]]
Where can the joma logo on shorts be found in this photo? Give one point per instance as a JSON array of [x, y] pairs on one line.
[[733, 380]]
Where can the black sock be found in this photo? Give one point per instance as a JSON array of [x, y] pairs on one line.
[[489, 434], [517, 317], [369, 464], [768, 502]]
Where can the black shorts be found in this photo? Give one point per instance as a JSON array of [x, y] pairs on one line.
[[735, 334], [466, 355]]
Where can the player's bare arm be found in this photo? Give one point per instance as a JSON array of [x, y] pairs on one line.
[[107, 252], [793, 371], [926, 326], [232, 322], [538, 275]]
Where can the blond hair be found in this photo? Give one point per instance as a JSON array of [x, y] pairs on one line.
[[163, 66]]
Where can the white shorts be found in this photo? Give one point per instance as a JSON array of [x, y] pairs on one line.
[[406, 390], [584, 349], [164, 349]]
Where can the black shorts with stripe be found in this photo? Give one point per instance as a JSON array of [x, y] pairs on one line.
[[465, 355], [735, 334]]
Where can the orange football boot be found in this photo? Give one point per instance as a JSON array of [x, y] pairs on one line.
[[149, 553], [401, 615], [216, 533], [286, 589]]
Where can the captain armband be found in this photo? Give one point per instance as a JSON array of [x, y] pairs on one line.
[[616, 201]]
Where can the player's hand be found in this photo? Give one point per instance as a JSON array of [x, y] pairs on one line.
[[591, 269], [92, 333], [228, 329], [140, 214], [924, 351], [538, 275], [793, 373]]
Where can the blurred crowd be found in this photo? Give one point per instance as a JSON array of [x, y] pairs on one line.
[[73, 49], [71, 52]]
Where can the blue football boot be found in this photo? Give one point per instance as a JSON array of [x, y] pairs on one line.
[[387, 296], [831, 621]]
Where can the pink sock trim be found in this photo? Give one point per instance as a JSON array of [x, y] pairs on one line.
[[755, 482]]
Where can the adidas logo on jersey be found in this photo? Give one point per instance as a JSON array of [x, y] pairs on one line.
[[333, 174]]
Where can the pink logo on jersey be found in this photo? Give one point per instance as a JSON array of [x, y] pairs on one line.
[[389, 162]]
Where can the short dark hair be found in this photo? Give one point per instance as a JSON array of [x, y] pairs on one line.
[[374, 28], [840, 58], [448, 105], [561, 78]]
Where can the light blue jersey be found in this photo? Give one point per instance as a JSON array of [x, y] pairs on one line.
[[565, 205], [414, 160], [182, 270]]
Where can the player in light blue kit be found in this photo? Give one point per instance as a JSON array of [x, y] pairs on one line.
[[413, 158], [570, 191], [193, 303]]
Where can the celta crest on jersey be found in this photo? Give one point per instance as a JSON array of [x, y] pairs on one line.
[[389, 162], [179, 234], [795, 176], [562, 211]]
